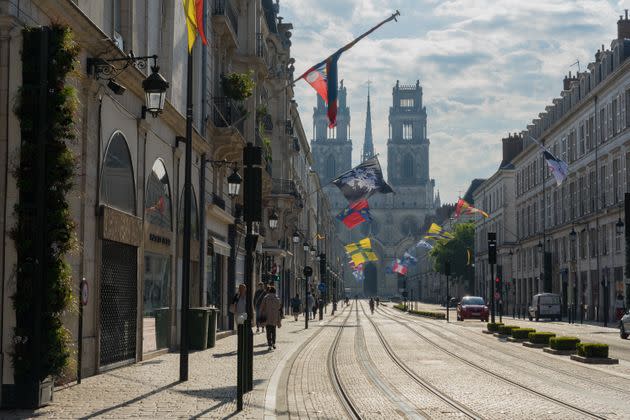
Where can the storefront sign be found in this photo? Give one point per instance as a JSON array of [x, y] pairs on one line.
[[159, 239]]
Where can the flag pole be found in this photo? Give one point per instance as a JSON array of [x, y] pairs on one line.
[[183, 352]]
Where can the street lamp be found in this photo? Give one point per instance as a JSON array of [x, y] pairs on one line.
[[296, 237], [619, 226], [234, 183], [155, 91], [273, 220], [305, 246], [312, 251], [540, 246]]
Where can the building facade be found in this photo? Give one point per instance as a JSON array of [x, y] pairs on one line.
[[397, 218], [570, 237], [127, 196]]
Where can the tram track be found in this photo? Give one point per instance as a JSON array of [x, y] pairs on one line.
[[459, 407], [490, 372]]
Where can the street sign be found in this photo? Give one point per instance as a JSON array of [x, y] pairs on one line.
[[308, 271], [322, 287], [84, 292]]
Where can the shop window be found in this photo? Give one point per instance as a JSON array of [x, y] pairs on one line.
[[158, 203], [194, 220], [117, 180]]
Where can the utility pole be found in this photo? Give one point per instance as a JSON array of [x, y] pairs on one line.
[[447, 272], [492, 260]]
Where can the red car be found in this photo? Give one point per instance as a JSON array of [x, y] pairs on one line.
[[472, 307]]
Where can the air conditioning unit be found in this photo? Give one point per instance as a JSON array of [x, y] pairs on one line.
[[118, 40]]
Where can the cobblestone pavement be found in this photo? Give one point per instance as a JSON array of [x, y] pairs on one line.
[[150, 389], [389, 364], [619, 348]]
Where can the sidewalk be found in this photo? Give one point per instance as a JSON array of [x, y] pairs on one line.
[[151, 389]]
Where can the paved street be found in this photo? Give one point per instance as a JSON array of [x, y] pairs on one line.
[[385, 365]]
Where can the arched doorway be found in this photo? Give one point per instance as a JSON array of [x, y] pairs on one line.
[[370, 285]]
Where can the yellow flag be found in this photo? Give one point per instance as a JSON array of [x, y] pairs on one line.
[[193, 9], [358, 258]]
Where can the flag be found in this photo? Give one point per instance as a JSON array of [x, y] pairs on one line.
[[323, 75], [558, 167], [399, 267], [436, 232], [363, 181], [320, 236], [355, 214], [424, 244], [463, 207], [194, 21], [409, 259], [158, 206], [468, 257], [361, 251]]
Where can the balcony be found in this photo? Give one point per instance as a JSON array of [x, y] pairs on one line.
[[262, 51], [225, 113], [225, 20], [284, 187], [218, 201]]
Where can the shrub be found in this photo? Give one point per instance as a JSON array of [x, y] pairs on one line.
[[540, 337], [238, 86], [494, 326], [563, 343], [429, 314], [521, 333], [507, 329], [592, 349], [400, 307]]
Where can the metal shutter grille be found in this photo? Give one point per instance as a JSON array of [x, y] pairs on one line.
[[118, 294]]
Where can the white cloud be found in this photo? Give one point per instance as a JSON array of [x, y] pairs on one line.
[[487, 67]]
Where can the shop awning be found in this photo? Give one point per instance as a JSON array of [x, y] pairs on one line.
[[221, 247]]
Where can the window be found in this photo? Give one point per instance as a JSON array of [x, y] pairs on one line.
[[331, 133], [158, 197], [602, 125], [407, 167], [117, 180], [604, 239], [592, 243], [592, 192], [407, 131], [627, 108], [583, 199], [618, 237], [602, 187], [572, 198], [583, 244], [615, 125], [407, 103], [616, 174], [582, 142]]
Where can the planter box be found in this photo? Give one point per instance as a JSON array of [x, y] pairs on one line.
[[28, 395], [595, 360], [487, 332], [535, 345], [516, 340], [499, 335], [560, 352]]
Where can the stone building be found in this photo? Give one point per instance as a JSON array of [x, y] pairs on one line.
[[126, 201], [397, 218], [570, 238]]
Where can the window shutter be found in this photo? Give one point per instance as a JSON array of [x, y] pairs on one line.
[[610, 120]]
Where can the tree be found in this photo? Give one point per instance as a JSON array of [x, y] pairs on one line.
[[455, 250]]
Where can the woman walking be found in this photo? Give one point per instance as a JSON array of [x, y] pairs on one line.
[[270, 309]]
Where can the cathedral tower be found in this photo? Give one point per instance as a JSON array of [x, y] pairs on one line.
[[408, 145], [332, 147], [368, 143]]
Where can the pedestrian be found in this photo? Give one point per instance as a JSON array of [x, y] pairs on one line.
[[239, 302], [309, 304], [258, 298], [296, 304], [619, 306], [314, 308], [271, 309]]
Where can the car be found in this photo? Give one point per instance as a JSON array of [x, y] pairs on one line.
[[545, 305], [624, 326], [385, 299], [396, 299], [472, 307]]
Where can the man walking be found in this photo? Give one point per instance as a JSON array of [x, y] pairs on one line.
[[239, 302], [270, 309], [258, 298], [310, 302], [296, 303]]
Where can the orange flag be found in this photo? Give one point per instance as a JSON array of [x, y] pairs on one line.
[[194, 21]]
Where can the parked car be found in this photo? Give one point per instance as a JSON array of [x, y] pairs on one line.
[[624, 326], [472, 307], [396, 299], [545, 305]]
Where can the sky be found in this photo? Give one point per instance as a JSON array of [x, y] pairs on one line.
[[487, 67]]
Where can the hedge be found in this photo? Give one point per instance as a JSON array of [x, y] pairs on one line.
[[507, 329], [521, 333], [540, 337], [564, 343], [400, 307], [592, 349], [428, 314], [494, 326]]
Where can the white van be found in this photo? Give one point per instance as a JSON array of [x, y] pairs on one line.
[[545, 305]]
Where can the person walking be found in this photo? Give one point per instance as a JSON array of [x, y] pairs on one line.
[[309, 305], [271, 309], [296, 304], [239, 302], [372, 305], [258, 298], [314, 308]]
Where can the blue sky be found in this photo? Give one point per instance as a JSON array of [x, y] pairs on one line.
[[487, 67]]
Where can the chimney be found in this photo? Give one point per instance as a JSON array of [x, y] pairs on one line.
[[623, 27], [512, 146], [566, 83]]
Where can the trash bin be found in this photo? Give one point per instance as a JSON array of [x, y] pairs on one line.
[[162, 327], [213, 314], [198, 328]]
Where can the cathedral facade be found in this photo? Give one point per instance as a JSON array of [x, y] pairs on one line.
[[397, 219]]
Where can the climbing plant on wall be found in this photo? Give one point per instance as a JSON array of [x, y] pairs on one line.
[[45, 107]]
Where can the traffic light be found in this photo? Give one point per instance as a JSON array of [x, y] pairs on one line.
[[492, 248]]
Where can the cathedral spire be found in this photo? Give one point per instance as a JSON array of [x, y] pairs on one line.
[[368, 144]]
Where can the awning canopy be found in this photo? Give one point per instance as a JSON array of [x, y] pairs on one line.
[[221, 247]]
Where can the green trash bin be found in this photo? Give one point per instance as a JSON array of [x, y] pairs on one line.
[[162, 327], [213, 314], [198, 328]]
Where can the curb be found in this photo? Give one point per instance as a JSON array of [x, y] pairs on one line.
[[559, 352], [535, 345], [595, 360]]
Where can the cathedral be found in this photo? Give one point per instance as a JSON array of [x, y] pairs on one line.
[[397, 219]]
